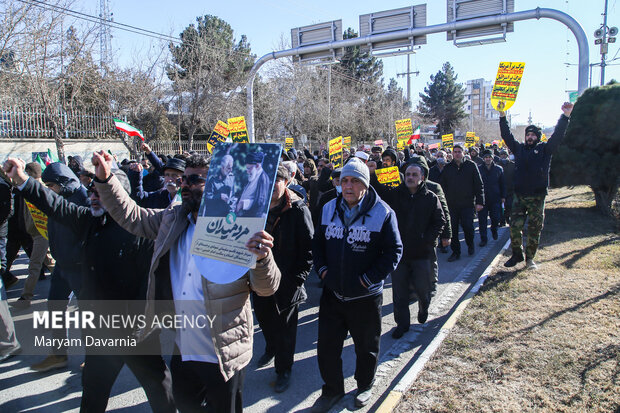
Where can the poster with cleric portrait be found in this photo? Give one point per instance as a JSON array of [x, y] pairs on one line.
[[236, 201]]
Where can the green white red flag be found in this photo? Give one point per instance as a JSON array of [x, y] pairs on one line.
[[416, 135], [128, 129]]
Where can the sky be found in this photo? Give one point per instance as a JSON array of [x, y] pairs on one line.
[[544, 45]]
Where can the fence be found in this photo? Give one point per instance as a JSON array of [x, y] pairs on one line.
[[31, 122]]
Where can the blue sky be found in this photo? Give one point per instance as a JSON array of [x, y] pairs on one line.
[[544, 45]]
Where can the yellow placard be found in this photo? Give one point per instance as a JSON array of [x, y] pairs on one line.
[[404, 129], [388, 176], [507, 83], [288, 143], [470, 139], [400, 145], [447, 141], [335, 152], [219, 134], [543, 138], [39, 219], [346, 141], [238, 130]]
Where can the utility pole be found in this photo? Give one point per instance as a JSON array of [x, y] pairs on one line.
[[408, 73], [604, 45], [529, 118], [603, 36]]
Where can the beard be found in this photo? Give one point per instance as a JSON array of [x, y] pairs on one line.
[[97, 211], [192, 199]]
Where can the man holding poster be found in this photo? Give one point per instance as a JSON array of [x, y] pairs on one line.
[[208, 366], [531, 180]]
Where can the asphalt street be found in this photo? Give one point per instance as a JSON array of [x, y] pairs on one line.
[[59, 391]]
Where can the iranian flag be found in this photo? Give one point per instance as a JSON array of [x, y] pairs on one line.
[[416, 135], [128, 129]]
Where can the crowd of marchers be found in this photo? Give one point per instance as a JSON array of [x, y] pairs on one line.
[[123, 230]]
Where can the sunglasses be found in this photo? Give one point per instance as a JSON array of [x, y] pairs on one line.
[[193, 179]]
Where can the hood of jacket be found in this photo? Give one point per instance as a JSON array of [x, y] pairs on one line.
[[61, 175]]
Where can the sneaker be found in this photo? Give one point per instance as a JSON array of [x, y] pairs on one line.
[[514, 260], [399, 331], [423, 312], [22, 303], [324, 403], [283, 381], [264, 359], [362, 397], [12, 352], [471, 250], [530, 264], [51, 362], [482, 243], [454, 257]]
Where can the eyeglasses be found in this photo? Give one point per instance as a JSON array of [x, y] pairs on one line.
[[193, 179], [90, 189]]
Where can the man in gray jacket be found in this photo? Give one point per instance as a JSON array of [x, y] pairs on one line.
[[212, 373]]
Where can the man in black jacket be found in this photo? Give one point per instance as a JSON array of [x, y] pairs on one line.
[[420, 221], [532, 162], [494, 195], [462, 184], [114, 267], [290, 224]]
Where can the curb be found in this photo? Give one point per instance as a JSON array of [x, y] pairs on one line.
[[395, 396]]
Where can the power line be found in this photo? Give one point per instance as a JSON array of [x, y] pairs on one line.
[[99, 20], [116, 25]]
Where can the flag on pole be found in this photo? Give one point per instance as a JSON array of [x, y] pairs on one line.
[[416, 135], [50, 157], [128, 129], [40, 162]]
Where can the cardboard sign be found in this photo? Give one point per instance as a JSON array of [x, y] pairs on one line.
[[470, 139], [219, 134], [507, 83], [234, 206], [404, 129], [335, 152], [288, 143], [346, 141], [39, 219], [238, 130], [447, 141], [388, 176]]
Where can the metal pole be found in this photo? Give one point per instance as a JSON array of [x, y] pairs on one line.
[[329, 98], [538, 13], [604, 45], [408, 83]]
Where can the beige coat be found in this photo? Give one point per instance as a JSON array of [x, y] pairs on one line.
[[228, 303]]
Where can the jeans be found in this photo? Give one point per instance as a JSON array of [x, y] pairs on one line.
[[493, 211]]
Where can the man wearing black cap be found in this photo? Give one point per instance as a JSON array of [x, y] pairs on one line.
[[173, 170], [531, 180], [494, 195], [255, 198]]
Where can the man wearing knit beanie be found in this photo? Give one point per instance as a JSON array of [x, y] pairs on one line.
[[356, 245]]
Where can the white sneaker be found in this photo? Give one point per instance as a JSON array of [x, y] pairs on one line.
[[530, 264]]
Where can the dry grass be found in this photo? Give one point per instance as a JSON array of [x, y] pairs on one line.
[[547, 340]]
